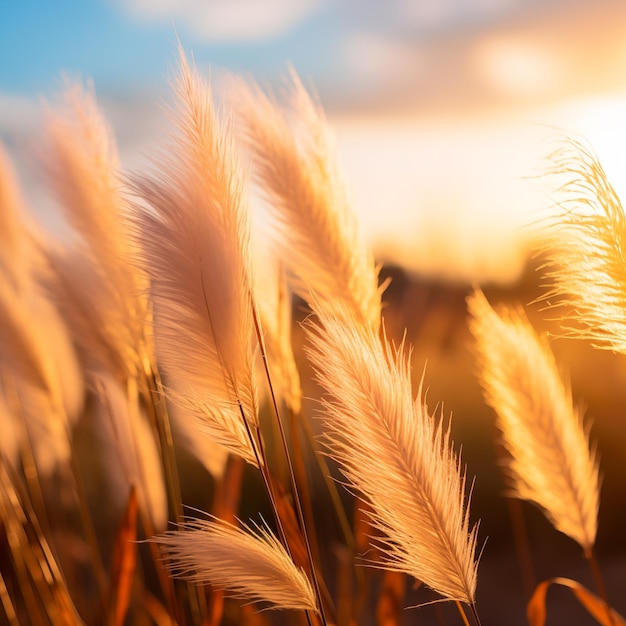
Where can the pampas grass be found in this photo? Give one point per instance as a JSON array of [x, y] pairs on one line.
[[550, 460], [250, 563], [81, 167], [39, 375], [273, 299], [393, 452], [193, 234], [585, 246], [157, 276], [319, 238], [101, 293], [14, 246]]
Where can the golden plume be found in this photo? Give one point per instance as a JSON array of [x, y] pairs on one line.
[[551, 464], [393, 452], [194, 237]]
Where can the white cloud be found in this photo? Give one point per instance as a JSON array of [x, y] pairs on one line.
[[442, 14], [228, 20], [373, 59]]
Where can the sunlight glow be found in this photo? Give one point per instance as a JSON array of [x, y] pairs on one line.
[[517, 66], [463, 200]]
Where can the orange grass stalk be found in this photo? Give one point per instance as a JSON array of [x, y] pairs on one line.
[[319, 238], [249, 563], [194, 238], [393, 452], [551, 464], [585, 245]]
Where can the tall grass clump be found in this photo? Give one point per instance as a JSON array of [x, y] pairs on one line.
[[152, 331]]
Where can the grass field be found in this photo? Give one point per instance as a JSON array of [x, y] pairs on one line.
[[192, 432]]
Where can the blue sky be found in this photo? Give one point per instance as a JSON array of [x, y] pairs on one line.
[[437, 105], [122, 50], [354, 51], [39, 39]]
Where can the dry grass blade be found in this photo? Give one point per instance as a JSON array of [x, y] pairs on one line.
[[537, 613], [194, 240], [392, 451], [250, 563], [586, 250], [391, 598], [7, 604], [319, 234], [41, 582], [123, 566], [551, 464]]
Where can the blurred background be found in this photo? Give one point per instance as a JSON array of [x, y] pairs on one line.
[[443, 113], [441, 108]]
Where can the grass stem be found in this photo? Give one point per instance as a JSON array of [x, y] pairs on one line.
[[294, 486], [592, 559], [461, 610]]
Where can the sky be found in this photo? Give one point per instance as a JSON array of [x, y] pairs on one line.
[[442, 109]]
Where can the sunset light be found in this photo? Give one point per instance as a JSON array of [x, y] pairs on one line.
[[312, 312]]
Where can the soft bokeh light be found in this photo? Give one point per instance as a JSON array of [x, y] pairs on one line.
[[442, 111]]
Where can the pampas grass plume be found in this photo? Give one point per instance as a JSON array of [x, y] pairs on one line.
[[393, 452], [585, 246], [319, 238], [551, 464], [249, 563], [194, 240], [81, 165]]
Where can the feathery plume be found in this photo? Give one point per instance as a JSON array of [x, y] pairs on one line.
[[185, 429], [37, 358], [585, 245], [249, 563], [194, 239], [82, 169], [319, 236], [42, 382], [551, 464], [392, 451], [78, 286]]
